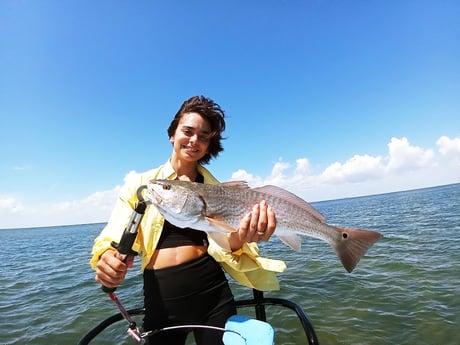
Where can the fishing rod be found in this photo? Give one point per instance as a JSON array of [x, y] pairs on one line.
[[124, 247]]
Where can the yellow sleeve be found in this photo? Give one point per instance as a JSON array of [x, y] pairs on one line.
[[247, 267], [118, 221]]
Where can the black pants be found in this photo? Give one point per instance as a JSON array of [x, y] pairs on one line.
[[193, 293]]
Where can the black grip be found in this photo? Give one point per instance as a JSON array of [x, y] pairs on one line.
[[126, 243], [107, 289], [130, 233], [124, 247], [103, 287]]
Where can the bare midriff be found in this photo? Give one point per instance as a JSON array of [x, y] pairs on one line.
[[169, 257]]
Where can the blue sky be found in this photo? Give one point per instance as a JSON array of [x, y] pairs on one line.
[[328, 99]]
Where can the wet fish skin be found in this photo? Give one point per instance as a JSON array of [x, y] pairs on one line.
[[220, 208]]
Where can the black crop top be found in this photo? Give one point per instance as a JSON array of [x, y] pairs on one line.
[[173, 236]]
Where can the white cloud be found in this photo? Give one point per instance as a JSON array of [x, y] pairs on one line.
[[302, 167], [129, 174], [405, 166], [357, 168], [243, 175], [450, 148], [277, 176], [11, 204], [94, 208], [97, 202], [403, 156]]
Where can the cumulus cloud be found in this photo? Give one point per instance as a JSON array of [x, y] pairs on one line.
[[405, 166], [96, 202], [94, 208], [357, 168], [403, 156], [279, 174], [243, 175], [129, 175], [302, 166], [450, 148]]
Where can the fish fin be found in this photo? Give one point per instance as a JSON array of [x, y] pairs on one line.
[[291, 240], [235, 184], [221, 239], [292, 198], [353, 245], [219, 225]]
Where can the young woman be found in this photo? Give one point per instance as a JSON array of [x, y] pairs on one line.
[[183, 278]]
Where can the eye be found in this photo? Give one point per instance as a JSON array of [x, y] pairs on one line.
[[204, 138], [187, 131], [166, 186]]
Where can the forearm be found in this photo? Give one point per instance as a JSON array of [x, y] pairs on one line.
[[235, 241]]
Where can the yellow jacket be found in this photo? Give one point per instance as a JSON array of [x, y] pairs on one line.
[[244, 265]]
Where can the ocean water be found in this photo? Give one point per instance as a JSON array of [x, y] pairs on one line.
[[406, 290]]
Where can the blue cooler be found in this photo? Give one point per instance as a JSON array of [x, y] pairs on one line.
[[241, 330]]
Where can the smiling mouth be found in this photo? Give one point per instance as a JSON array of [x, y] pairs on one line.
[[188, 148]]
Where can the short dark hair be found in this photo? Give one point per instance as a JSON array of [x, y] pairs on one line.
[[212, 113]]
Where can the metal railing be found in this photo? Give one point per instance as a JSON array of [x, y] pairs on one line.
[[258, 302]]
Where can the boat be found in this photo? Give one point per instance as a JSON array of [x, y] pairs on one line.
[[245, 330]]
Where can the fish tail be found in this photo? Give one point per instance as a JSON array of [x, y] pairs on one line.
[[353, 244]]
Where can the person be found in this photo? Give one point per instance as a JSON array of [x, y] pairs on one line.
[[182, 269]]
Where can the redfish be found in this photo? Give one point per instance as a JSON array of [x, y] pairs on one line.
[[220, 208]]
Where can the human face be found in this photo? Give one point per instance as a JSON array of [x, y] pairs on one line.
[[191, 138]]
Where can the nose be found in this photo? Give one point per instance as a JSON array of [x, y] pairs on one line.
[[193, 138]]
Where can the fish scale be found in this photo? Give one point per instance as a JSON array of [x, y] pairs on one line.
[[289, 216], [220, 208]]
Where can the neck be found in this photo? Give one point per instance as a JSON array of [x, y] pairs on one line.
[[187, 171]]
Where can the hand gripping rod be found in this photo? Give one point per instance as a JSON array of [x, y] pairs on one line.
[[124, 247]]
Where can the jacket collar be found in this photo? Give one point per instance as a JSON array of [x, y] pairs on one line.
[[167, 173]]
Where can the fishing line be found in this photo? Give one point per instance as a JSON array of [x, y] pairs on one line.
[[192, 327]]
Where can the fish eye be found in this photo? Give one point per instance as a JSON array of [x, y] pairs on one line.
[[166, 186]]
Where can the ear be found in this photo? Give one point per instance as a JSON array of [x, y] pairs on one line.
[[171, 140]]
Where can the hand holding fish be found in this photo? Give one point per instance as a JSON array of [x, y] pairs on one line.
[[257, 225]]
